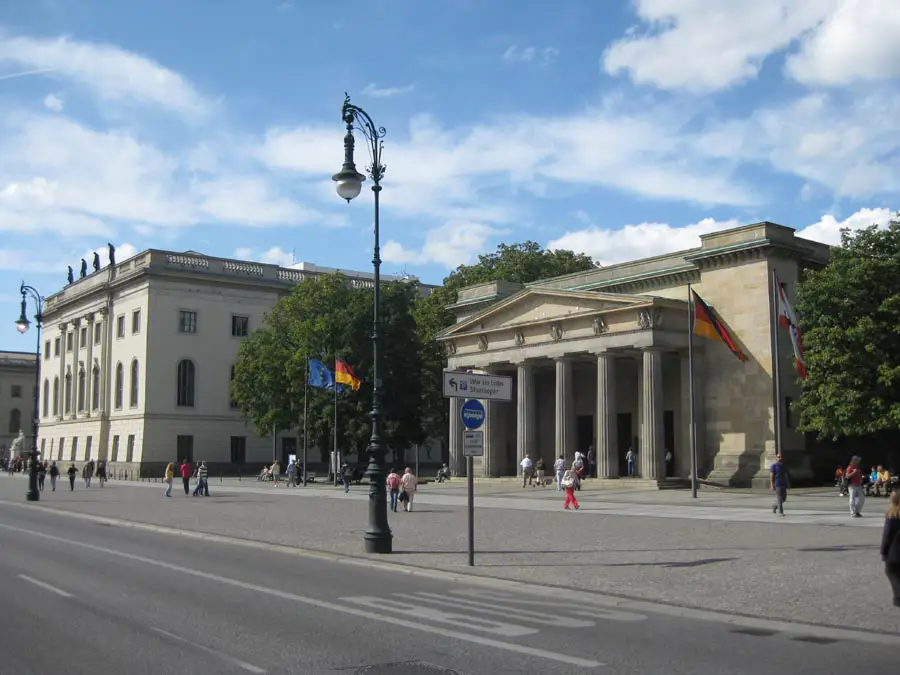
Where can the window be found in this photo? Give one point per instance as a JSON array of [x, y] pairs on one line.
[[95, 388], [87, 448], [135, 372], [129, 451], [185, 376], [43, 446], [98, 333], [120, 326], [56, 396], [185, 448], [69, 337], [46, 350], [83, 338], [73, 451], [187, 322], [115, 449], [240, 326], [788, 418], [16, 391], [238, 449], [136, 322], [68, 394], [62, 448], [120, 385], [82, 384], [15, 421], [231, 401], [56, 343], [46, 401]]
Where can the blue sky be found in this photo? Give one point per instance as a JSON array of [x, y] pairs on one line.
[[619, 128]]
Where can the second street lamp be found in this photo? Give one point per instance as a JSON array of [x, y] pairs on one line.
[[378, 538], [22, 325]]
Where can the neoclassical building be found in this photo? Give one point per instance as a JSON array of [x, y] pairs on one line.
[[138, 358], [600, 358], [16, 397]]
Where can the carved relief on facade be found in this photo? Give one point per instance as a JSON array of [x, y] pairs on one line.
[[520, 338], [650, 318], [450, 346], [556, 332], [599, 326], [483, 342]]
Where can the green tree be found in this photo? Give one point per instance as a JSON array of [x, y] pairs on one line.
[[328, 318], [518, 263], [850, 315]]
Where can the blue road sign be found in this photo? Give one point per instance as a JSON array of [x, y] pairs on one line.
[[472, 414]]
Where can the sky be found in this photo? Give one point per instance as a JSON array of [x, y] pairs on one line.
[[618, 128]]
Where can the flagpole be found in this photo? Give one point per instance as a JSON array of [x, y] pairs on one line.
[[691, 381], [776, 363], [305, 418]]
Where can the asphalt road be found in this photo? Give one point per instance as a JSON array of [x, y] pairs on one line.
[[82, 597]]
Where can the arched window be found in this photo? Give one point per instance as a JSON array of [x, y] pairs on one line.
[[68, 394], [45, 406], [82, 385], [120, 385], [185, 383], [95, 388], [56, 396], [15, 421], [135, 372]]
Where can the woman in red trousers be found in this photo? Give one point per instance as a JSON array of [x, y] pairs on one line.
[[569, 483]]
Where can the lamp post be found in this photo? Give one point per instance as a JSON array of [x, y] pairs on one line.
[[349, 184], [22, 325]]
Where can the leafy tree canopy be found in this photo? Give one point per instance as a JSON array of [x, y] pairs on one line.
[[850, 315]]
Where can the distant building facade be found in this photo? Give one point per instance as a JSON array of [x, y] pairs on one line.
[[600, 359], [138, 359], [17, 372]]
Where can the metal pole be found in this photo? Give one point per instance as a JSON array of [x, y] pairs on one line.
[[691, 317], [470, 479], [776, 362], [33, 493], [305, 418], [337, 463]]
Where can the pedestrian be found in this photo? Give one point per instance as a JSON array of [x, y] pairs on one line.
[[289, 472], [559, 467], [276, 469], [408, 485], [54, 474], [854, 477], [202, 481], [527, 471], [539, 470], [779, 481], [170, 478], [72, 473], [631, 460], [42, 475], [186, 472], [346, 476], [890, 545], [569, 483], [87, 472], [592, 462], [393, 486], [101, 472]]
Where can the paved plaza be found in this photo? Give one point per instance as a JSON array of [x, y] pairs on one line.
[[724, 551]]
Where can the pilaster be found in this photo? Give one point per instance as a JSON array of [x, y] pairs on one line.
[[652, 458]]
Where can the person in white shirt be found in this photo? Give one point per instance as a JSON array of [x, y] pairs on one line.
[[527, 471], [559, 466], [408, 485]]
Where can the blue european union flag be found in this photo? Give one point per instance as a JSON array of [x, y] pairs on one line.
[[320, 376]]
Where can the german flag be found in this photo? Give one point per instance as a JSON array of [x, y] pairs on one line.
[[707, 325], [343, 374]]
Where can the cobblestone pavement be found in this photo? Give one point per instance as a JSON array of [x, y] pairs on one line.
[[824, 569]]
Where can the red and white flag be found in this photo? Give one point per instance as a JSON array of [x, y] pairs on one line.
[[787, 319]]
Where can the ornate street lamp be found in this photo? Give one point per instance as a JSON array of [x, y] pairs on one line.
[[22, 325], [349, 184]]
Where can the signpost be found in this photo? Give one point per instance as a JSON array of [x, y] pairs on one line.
[[476, 385], [472, 414]]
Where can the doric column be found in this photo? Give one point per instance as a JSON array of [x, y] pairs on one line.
[[491, 446], [652, 460], [76, 330], [526, 415], [565, 411], [61, 402], [607, 433], [457, 461], [89, 366]]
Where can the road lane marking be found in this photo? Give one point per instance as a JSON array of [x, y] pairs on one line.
[[521, 650], [214, 652], [496, 598], [546, 619], [45, 586]]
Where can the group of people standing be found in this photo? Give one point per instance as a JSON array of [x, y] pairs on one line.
[[88, 471], [188, 471]]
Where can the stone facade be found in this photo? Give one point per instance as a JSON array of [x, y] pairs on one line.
[[600, 358], [138, 360], [16, 397]]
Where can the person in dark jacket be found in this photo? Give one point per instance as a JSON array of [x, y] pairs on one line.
[[890, 545]]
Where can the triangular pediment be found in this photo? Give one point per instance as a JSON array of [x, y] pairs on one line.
[[536, 305]]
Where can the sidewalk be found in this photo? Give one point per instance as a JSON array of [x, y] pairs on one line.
[[724, 551]]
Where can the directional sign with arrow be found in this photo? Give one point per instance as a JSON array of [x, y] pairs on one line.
[[476, 385]]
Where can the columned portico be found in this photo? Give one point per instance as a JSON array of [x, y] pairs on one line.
[[607, 434], [526, 413], [652, 453], [565, 410]]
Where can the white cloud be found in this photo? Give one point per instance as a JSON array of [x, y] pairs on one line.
[[451, 244], [112, 73], [828, 229], [516, 54], [53, 102], [632, 242], [386, 92]]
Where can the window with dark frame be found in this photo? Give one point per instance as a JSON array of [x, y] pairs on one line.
[[16, 391], [70, 336], [187, 321], [56, 345], [120, 386], [73, 449], [115, 449], [46, 350], [95, 389], [185, 382], [83, 338], [240, 326], [120, 326], [238, 449], [129, 451], [136, 322], [184, 446], [98, 333], [135, 383]]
